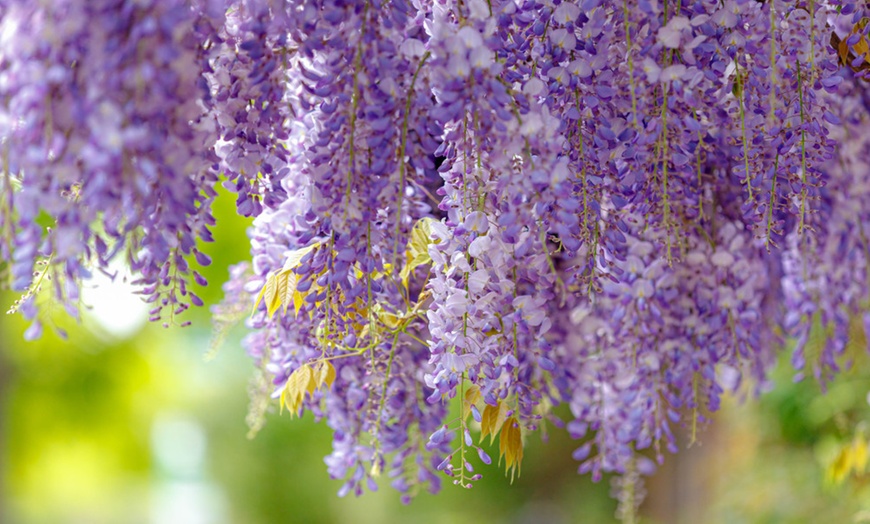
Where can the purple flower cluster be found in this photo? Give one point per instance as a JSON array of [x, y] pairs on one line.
[[507, 205], [104, 130]]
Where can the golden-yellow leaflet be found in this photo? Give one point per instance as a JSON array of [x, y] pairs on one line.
[[417, 252], [510, 445], [492, 420], [280, 286]]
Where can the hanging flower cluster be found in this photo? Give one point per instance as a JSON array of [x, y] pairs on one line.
[[104, 131], [621, 207]]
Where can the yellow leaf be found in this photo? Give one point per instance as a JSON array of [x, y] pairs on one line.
[[284, 282], [297, 384], [271, 290], [492, 419], [311, 386], [510, 446], [289, 290], [405, 274], [330, 375], [487, 420], [848, 56], [388, 268], [859, 454], [421, 237], [417, 251], [390, 320], [259, 297], [295, 257], [273, 300], [298, 301], [325, 373], [319, 373], [472, 395], [283, 400], [320, 333], [420, 259], [841, 466], [267, 293]]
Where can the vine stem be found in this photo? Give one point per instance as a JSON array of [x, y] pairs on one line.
[[802, 224], [402, 148], [462, 432], [357, 67], [384, 397], [772, 97], [771, 202], [630, 63], [742, 110], [666, 200]]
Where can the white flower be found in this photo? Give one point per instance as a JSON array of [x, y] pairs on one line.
[[671, 73], [562, 38], [479, 9], [722, 258], [477, 281], [567, 12], [669, 35], [481, 57], [533, 86], [651, 68], [479, 246], [413, 48]]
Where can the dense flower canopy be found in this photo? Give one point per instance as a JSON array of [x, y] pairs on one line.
[[624, 207]]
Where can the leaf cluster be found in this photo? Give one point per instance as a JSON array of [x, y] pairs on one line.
[[280, 287], [498, 421], [307, 379]]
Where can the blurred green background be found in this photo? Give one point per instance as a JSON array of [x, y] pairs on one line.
[[128, 422]]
